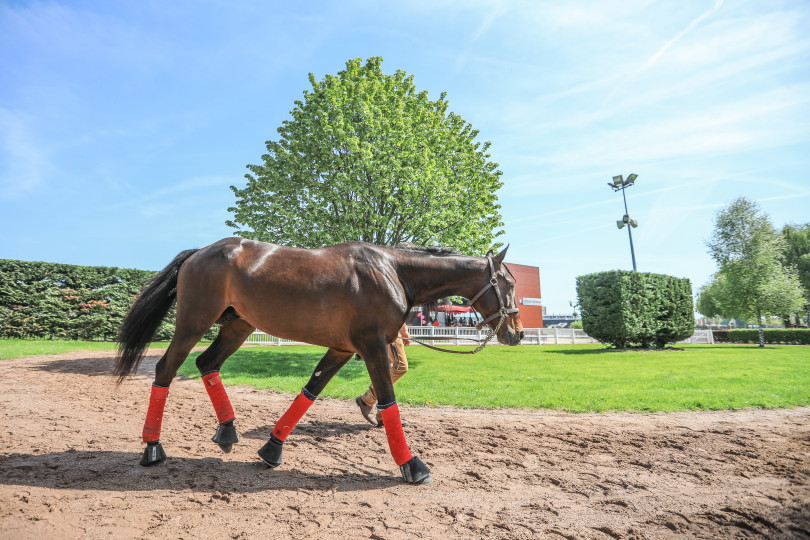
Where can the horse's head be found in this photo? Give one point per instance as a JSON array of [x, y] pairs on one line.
[[496, 301]]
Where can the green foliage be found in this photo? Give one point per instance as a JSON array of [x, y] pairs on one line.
[[576, 378], [797, 256], [576, 325], [624, 308], [788, 336], [751, 281], [41, 300], [367, 157]]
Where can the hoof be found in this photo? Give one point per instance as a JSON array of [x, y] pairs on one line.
[[225, 436], [153, 455], [415, 472], [271, 452]]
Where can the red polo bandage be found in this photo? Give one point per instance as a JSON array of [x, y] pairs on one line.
[[396, 436], [216, 391], [154, 415], [287, 422]]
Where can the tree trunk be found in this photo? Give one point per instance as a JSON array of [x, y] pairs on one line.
[[761, 331]]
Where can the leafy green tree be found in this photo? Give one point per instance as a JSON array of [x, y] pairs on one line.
[[797, 256], [749, 253], [366, 156]]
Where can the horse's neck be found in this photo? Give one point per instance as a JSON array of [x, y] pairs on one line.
[[428, 278]]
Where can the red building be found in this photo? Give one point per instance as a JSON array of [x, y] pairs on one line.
[[527, 294]]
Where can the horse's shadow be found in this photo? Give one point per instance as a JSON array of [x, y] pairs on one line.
[[313, 429], [119, 471], [93, 366]]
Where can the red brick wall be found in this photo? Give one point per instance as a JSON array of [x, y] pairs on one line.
[[527, 285]]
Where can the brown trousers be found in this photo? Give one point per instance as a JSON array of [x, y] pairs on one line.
[[399, 366]]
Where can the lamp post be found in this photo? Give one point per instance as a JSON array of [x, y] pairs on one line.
[[620, 184]]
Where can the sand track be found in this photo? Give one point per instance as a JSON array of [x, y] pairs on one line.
[[71, 444]]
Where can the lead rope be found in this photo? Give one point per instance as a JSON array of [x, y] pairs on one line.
[[491, 333]]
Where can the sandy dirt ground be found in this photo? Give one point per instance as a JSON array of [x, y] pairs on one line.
[[71, 444]]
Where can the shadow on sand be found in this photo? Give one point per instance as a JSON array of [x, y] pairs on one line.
[[120, 472]]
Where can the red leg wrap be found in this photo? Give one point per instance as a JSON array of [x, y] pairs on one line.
[[154, 415], [216, 391], [290, 418], [396, 436]]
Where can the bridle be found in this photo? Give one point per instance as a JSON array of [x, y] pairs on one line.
[[503, 312]]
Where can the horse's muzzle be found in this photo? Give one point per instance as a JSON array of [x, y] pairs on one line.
[[511, 338]]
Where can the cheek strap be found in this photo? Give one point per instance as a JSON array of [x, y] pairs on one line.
[[216, 391], [154, 415]]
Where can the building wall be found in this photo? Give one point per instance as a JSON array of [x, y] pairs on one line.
[[527, 285]]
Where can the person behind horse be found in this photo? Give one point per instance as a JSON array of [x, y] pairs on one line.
[[399, 366]]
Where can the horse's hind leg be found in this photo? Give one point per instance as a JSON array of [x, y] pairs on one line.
[[187, 334], [230, 338], [330, 364]]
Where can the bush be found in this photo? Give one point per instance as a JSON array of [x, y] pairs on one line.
[[40, 300], [624, 308], [786, 336]]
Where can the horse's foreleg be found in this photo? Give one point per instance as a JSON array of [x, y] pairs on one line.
[[230, 338], [413, 470], [330, 364], [187, 334]]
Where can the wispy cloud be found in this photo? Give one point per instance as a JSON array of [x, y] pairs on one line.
[[664, 48], [23, 162]]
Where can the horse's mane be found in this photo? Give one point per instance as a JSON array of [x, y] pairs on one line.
[[426, 250]]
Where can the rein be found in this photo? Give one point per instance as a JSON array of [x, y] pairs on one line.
[[503, 312]]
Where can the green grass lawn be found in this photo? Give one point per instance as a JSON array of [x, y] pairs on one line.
[[15, 348], [564, 377]]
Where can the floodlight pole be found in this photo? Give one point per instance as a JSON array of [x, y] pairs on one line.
[[619, 183], [629, 233]]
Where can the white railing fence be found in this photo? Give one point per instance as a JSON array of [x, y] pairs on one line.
[[703, 337], [454, 335]]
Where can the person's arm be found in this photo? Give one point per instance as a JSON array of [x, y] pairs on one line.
[[406, 337]]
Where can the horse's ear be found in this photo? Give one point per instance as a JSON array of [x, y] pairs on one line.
[[490, 253], [500, 256]]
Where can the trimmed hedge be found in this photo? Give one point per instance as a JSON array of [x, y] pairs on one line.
[[785, 336], [636, 308], [40, 300]]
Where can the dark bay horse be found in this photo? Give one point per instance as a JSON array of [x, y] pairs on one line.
[[351, 298]]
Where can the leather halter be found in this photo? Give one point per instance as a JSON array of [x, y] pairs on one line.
[[502, 312]]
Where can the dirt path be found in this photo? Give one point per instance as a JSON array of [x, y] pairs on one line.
[[71, 444]]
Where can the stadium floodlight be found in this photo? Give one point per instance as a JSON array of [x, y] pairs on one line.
[[620, 184]]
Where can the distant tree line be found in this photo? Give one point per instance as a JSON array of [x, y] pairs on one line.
[[41, 300], [760, 271]]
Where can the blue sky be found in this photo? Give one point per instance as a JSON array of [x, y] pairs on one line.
[[122, 124]]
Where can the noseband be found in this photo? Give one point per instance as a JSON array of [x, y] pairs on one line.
[[502, 312]]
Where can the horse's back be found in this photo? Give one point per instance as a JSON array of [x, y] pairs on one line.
[[296, 293]]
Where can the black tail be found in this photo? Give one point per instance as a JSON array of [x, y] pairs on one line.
[[145, 316]]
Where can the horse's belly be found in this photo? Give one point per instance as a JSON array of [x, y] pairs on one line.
[[298, 321]]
